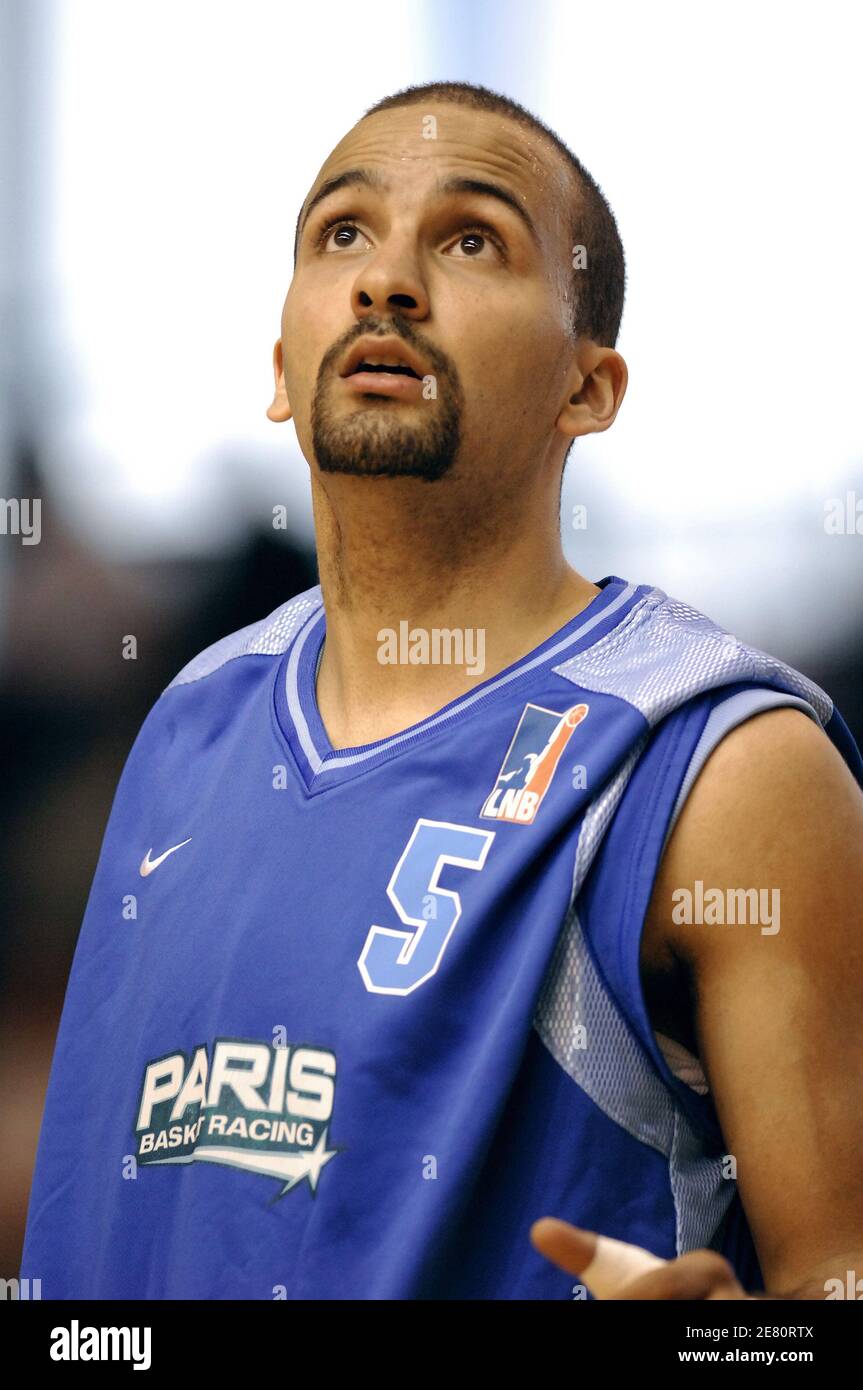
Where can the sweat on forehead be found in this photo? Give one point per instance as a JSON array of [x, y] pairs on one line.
[[478, 144], [454, 131]]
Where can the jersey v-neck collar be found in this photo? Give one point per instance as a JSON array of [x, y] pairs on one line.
[[301, 726]]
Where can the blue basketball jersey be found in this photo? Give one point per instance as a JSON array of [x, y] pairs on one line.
[[345, 1023]]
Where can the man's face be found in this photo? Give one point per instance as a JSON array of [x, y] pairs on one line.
[[475, 297]]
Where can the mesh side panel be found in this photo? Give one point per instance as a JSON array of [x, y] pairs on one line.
[[598, 816], [610, 1066], [702, 1195], [267, 637], [667, 652], [608, 1063]]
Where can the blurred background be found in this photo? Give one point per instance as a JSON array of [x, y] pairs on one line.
[[152, 162]]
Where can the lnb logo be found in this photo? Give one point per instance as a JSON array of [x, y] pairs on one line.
[[530, 763]]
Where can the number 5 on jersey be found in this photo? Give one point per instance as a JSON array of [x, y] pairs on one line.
[[397, 962]]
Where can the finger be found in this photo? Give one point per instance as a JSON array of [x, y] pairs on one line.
[[605, 1265], [567, 1246]]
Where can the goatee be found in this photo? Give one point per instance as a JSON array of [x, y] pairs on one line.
[[374, 442]]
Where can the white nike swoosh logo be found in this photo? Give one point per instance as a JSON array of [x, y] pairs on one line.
[[148, 864]]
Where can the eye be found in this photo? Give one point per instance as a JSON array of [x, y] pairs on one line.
[[338, 234], [476, 240]]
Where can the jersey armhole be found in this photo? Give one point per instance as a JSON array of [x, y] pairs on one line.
[[726, 716], [620, 883]]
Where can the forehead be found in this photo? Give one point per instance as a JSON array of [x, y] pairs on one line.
[[416, 146]]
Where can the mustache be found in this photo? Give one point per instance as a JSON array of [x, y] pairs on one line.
[[398, 327]]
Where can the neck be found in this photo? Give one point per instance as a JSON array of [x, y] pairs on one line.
[[427, 594]]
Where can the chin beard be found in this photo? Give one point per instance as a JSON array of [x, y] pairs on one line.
[[373, 443]]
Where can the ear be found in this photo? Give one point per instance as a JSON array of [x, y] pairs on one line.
[[595, 388], [281, 407]]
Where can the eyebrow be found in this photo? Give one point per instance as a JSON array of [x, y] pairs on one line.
[[369, 178], [483, 189]]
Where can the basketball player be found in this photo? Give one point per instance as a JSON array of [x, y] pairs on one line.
[[397, 981]]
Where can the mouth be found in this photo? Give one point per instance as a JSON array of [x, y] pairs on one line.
[[386, 367], [401, 385], [383, 366]]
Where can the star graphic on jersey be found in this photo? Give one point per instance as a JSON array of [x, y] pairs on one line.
[[314, 1161]]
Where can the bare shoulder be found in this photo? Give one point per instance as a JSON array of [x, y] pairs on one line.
[[775, 806]]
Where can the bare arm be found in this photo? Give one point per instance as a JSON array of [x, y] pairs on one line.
[[779, 1014]]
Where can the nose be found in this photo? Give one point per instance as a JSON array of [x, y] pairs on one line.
[[390, 281]]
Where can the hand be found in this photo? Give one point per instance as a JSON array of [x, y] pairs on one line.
[[613, 1269]]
